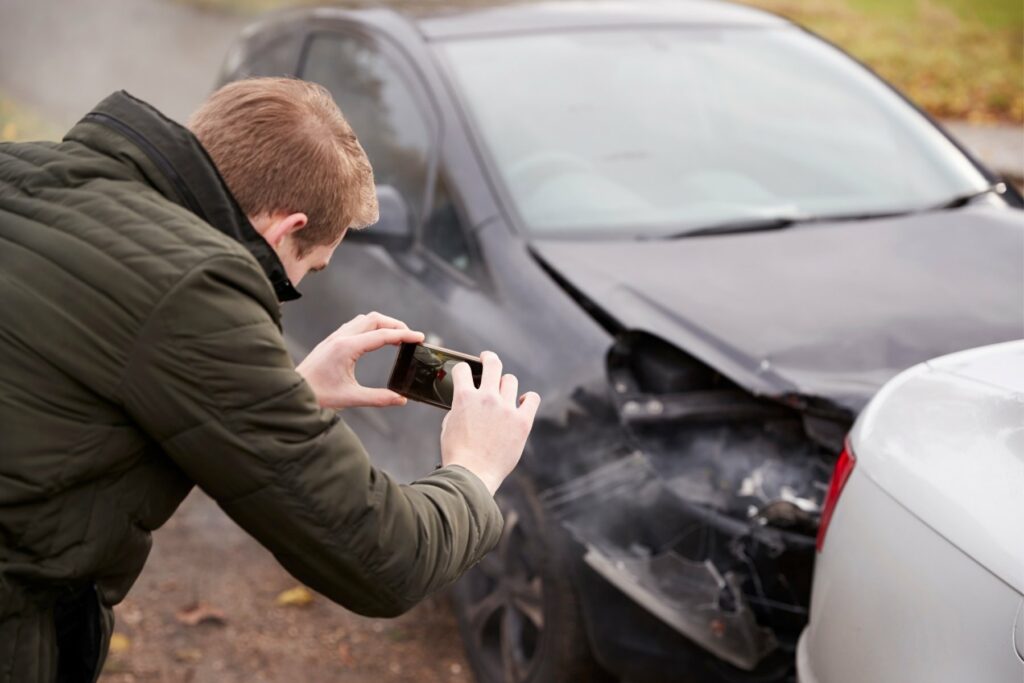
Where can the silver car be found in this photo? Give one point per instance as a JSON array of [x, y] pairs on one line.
[[920, 569]]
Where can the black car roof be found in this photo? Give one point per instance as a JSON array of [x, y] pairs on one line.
[[483, 17], [576, 14]]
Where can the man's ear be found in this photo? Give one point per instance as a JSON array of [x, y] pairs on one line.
[[281, 225]]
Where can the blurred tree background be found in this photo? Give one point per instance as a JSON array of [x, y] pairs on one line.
[[20, 123], [958, 59]]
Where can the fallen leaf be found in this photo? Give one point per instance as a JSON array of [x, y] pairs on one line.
[[119, 643], [167, 586], [295, 597], [188, 655], [199, 613]]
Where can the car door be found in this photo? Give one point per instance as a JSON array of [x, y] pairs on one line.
[[387, 106]]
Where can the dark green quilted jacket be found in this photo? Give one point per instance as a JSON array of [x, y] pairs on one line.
[[140, 354]]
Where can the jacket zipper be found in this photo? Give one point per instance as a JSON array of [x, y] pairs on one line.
[[154, 154]]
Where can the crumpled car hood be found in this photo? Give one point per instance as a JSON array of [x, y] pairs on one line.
[[830, 310]]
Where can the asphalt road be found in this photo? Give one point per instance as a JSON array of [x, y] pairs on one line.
[[1000, 147], [204, 567]]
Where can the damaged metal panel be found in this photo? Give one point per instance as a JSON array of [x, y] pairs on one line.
[[684, 595], [693, 597], [791, 312]]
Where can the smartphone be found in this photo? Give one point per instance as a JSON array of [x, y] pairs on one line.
[[424, 373]]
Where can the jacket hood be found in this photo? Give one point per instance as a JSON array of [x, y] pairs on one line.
[[831, 310], [180, 169]]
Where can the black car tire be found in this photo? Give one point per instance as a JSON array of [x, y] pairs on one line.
[[517, 610]]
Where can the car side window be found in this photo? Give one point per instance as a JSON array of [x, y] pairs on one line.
[[279, 57], [378, 103], [444, 233]]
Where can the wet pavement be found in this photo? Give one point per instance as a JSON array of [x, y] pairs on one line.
[[205, 569]]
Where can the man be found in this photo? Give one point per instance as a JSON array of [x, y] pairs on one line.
[[141, 267]]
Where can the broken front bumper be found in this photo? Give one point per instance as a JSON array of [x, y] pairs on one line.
[[737, 589]]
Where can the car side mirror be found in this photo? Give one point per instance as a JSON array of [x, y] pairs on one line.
[[394, 229]]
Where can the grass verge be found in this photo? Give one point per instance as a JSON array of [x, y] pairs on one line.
[[958, 59]]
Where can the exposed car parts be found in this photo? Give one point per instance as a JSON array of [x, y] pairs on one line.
[[704, 509]]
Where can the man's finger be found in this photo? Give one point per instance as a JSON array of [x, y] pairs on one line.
[[379, 321], [376, 398], [462, 380], [491, 377], [370, 322], [528, 404], [371, 341], [509, 389]]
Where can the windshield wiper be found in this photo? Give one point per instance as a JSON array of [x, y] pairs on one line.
[[964, 199], [741, 225], [780, 222], [760, 223]]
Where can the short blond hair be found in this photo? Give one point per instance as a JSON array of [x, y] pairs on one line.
[[282, 145]]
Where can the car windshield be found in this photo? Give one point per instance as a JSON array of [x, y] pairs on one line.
[[650, 132]]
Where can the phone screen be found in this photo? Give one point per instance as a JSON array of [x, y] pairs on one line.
[[424, 373]]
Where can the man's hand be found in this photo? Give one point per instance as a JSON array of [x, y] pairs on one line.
[[330, 369], [486, 430]]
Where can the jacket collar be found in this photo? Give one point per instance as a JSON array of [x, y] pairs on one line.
[[188, 176]]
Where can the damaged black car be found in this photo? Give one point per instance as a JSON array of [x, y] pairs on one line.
[[706, 237]]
